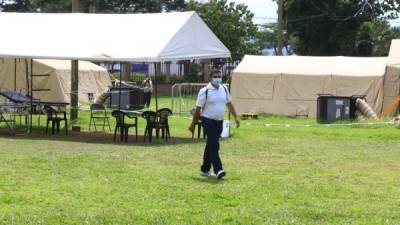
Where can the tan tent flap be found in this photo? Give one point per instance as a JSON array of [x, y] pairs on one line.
[[392, 81], [391, 90], [265, 93], [372, 87], [299, 87], [93, 79]]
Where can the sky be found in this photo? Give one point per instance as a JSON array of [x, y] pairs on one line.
[[265, 11]]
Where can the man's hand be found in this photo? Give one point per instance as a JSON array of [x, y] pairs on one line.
[[191, 128], [233, 111], [237, 122], [196, 116]]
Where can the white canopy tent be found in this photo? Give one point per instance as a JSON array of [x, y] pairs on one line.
[[154, 37], [157, 37]]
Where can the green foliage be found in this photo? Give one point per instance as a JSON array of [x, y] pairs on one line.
[[333, 27], [52, 6], [15, 6], [232, 24], [267, 37], [195, 74], [143, 6], [377, 36], [102, 6]]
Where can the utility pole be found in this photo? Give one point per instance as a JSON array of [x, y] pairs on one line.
[[280, 27], [74, 75]]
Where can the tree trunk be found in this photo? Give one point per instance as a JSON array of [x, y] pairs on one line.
[[75, 6], [280, 27]]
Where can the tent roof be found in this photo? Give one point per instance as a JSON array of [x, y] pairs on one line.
[[313, 66], [109, 37], [66, 65]]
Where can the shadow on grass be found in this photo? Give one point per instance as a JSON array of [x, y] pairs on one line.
[[99, 138], [208, 180]]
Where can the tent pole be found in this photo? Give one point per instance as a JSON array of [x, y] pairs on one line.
[[229, 90], [157, 67], [15, 74], [74, 89], [120, 86], [31, 93], [27, 76]]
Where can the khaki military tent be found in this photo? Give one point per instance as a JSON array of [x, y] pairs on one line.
[[55, 75], [289, 85]]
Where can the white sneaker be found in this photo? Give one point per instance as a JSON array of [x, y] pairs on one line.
[[207, 174], [221, 174]]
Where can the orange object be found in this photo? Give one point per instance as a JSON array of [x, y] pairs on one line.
[[392, 105]]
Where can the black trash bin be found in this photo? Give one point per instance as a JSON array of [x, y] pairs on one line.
[[131, 98], [332, 108]]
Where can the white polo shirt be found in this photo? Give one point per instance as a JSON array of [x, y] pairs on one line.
[[214, 107]]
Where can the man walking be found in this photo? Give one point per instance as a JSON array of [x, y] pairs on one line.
[[210, 106]]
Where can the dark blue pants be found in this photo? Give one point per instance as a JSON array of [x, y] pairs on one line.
[[213, 129], [147, 99]]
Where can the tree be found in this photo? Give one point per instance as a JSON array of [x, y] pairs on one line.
[[15, 6], [267, 38], [102, 6], [142, 6], [331, 27], [232, 24], [374, 38], [52, 6]]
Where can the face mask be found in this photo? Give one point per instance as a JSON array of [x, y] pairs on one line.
[[216, 81]]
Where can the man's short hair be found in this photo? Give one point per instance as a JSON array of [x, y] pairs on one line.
[[214, 71]]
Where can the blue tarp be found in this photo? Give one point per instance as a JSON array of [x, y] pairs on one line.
[[140, 68]]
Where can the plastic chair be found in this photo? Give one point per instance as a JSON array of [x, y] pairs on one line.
[[55, 119], [151, 123], [199, 126], [163, 124], [98, 112], [122, 126]]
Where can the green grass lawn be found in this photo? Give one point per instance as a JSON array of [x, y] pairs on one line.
[[275, 175]]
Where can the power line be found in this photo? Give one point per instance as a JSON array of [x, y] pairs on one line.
[[325, 13]]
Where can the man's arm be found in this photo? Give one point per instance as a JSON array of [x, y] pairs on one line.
[[233, 111], [195, 120]]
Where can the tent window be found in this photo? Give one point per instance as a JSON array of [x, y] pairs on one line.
[[304, 88]]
